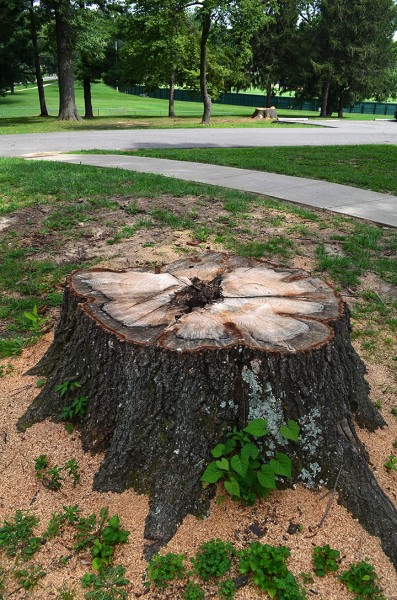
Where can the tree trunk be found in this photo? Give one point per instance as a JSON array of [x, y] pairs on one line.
[[37, 65], [269, 94], [171, 100], [171, 361], [67, 102], [203, 67], [340, 106], [265, 113], [87, 98], [324, 97]]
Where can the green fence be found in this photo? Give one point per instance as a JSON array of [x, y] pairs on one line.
[[255, 100]]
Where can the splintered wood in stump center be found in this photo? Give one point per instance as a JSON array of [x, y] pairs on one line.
[[173, 360], [212, 304]]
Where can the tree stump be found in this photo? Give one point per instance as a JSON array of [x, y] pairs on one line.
[[171, 360], [265, 113]]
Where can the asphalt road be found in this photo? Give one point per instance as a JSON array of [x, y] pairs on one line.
[[332, 133]]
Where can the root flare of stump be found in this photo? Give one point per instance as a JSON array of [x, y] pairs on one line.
[[171, 361]]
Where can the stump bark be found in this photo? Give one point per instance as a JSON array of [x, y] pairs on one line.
[[170, 361], [265, 113]]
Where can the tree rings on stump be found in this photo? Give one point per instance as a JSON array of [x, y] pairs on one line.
[[170, 361]]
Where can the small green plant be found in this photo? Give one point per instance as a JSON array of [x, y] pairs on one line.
[[7, 369], [391, 463], [163, 569], [107, 584], [40, 463], [60, 519], [72, 469], [75, 411], [193, 592], [227, 589], [101, 536], [67, 386], [34, 320], [16, 536], [394, 411], [52, 478], [238, 462], [395, 443], [325, 560], [307, 577], [28, 578], [266, 565], [361, 579], [66, 593], [213, 559]]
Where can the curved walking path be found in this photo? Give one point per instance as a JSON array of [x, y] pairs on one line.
[[365, 204], [350, 201]]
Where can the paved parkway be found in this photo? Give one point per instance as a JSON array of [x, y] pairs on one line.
[[330, 133]]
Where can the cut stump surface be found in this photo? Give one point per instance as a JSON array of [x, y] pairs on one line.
[[170, 361]]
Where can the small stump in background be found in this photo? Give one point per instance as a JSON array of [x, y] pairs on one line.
[[170, 361], [265, 113]]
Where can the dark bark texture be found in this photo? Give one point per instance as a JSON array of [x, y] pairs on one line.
[[157, 413], [37, 63], [205, 32], [88, 114], [171, 99], [63, 32]]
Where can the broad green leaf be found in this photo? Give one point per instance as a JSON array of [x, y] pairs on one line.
[[232, 487], [97, 564], [229, 446], [114, 521], [239, 465], [249, 451], [257, 428], [212, 474], [223, 464], [267, 478], [290, 431], [281, 465], [218, 451]]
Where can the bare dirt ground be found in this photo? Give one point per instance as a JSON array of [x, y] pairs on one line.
[[268, 521]]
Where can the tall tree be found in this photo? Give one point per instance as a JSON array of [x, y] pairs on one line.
[[240, 19], [349, 50], [93, 32], [61, 14], [158, 37], [16, 61], [37, 60], [273, 46]]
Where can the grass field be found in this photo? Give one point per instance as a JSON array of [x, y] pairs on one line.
[[370, 167], [118, 110]]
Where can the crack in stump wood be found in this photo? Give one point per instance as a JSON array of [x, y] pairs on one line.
[[170, 361]]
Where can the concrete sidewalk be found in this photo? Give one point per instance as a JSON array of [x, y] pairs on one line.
[[346, 200]]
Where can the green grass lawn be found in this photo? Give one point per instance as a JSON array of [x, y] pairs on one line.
[[114, 109], [371, 166]]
